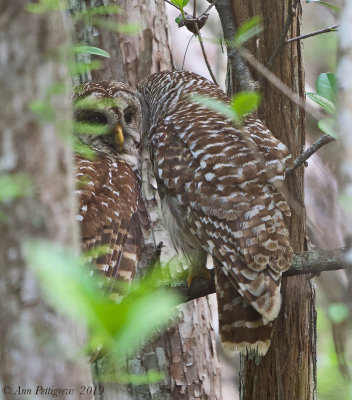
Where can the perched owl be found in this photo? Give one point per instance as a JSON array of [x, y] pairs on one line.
[[221, 191], [108, 120]]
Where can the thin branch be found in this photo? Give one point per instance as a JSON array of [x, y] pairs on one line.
[[308, 262], [272, 78], [184, 57], [208, 9], [319, 32], [282, 39], [322, 141], [204, 54]]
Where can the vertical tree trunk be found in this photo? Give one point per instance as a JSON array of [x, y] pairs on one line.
[[288, 370], [37, 346], [186, 352]]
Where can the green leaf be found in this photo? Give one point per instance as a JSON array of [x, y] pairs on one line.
[[87, 128], [247, 30], [245, 103], [185, 2], [44, 110], [329, 126], [338, 312], [129, 29], [178, 3], [55, 88], [44, 6], [83, 150], [103, 10], [95, 103], [323, 102], [97, 251], [81, 49], [217, 106], [122, 327], [13, 186], [79, 68], [326, 4], [326, 86], [64, 280], [178, 20], [152, 376]]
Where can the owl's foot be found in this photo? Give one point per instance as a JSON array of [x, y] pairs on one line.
[[193, 273]]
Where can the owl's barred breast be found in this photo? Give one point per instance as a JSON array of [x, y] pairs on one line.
[[224, 188]]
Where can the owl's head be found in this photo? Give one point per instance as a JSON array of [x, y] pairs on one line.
[[107, 118]]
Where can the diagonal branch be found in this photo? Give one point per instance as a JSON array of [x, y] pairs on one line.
[[273, 79], [319, 32], [205, 54], [322, 141]]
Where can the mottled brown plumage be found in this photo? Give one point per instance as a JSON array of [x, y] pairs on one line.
[[222, 194], [108, 185]]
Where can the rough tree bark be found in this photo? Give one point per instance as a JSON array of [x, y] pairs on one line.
[[186, 352], [37, 346], [288, 370]]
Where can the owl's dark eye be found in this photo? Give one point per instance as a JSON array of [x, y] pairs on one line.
[[96, 118], [128, 116]]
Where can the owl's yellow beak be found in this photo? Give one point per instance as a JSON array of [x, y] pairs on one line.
[[119, 136]]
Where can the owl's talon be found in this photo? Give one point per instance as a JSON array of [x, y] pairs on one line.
[[205, 273]]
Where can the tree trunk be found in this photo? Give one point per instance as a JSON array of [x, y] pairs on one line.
[[186, 352], [288, 371], [37, 346]]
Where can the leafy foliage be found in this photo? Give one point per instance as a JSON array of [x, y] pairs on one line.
[[14, 186], [180, 4], [45, 6], [247, 30], [120, 328], [338, 312], [81, 49], [325, 97], [242, 104], [326, 4]]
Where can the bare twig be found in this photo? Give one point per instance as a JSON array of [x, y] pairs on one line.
[[322, 141], [184, 57], [211, 6], [204, 54], [282, 39], [308, 262], [272, 78], [319, 32]]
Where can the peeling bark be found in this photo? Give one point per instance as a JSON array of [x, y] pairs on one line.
[[37, 346]]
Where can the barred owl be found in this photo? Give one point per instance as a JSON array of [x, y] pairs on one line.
[[221, 191], [108, 120]]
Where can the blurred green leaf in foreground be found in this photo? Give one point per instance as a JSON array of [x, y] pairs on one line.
[[121, 328]]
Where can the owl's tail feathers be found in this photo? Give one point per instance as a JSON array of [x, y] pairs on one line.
[[241, 327]]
